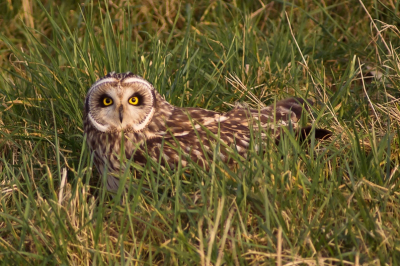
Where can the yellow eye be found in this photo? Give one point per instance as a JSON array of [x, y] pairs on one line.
[[134, 100], [107, 101]]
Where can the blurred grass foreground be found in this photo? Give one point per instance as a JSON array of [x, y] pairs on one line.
[[335, 202]]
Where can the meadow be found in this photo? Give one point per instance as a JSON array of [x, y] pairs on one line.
[[330, 202]]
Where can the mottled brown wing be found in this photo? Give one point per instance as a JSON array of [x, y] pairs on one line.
[[195, 131]]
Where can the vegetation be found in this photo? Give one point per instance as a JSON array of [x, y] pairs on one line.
[[334, 202]]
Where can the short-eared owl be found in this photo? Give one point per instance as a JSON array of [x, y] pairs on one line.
[[124, 109]]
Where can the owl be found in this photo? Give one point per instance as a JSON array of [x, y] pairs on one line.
[[126, 119]]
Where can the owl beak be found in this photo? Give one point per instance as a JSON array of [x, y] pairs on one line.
[[121, 113]]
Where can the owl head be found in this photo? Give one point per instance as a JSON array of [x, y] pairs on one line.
[[120, 102]]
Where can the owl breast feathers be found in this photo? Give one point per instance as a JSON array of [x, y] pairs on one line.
[[126, 119]]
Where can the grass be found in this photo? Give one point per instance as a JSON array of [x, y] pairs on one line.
[[333, 203]]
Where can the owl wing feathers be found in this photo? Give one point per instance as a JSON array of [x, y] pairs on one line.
[[195, 130]]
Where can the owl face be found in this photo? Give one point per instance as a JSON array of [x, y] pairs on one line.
[[120, 102]]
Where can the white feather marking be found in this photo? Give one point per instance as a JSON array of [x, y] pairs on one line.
[[166, 157], [98, 126], [208, 120], [101, 82], [150, 135], [132, 80], [142, 125], [222, 118], [184, 133], [245, 143], [197, 153], [239, 149]]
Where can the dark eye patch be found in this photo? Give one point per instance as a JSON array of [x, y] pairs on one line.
[[101, 100], [140, 98]]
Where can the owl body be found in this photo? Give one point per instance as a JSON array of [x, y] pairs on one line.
[[125, 119]]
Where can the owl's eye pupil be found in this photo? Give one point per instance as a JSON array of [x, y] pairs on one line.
[[107, 101], [134, 100]]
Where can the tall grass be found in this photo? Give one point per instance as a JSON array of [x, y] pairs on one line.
[[326, 203]]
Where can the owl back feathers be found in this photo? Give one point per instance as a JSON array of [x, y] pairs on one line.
[[196, 131]]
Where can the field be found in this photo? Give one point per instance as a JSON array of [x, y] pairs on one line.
[[330, 202]]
